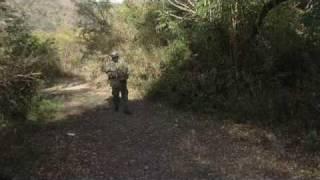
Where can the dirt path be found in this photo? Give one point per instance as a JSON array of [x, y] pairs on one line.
[[90, 141]]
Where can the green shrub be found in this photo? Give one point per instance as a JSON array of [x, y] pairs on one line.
[[177, 54], [16, 91], [24, 62], [43, 109]]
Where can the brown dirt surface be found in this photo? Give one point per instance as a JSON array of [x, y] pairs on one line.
[[88, 140]]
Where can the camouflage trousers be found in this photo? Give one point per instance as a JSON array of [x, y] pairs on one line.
[[118, 88]]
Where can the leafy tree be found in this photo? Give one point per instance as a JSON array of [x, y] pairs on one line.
[[95, 25]]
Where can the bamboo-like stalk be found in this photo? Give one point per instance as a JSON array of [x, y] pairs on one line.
[[179, 5]]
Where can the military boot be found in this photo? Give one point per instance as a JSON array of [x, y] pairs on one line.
[[116, 108], [127, 111]]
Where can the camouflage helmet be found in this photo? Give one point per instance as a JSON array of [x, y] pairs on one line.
[[114, 54]]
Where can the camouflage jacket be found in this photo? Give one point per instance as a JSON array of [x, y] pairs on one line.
[[117, 71]]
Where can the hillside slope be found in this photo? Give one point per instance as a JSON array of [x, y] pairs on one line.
[[48, 15]]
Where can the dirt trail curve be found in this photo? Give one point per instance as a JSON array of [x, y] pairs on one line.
[[90, 141]]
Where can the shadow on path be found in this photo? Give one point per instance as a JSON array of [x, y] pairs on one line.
[[91, 141], [100, 143]]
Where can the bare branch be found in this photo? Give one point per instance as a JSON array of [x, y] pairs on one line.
[[181, 4], [182, 7], [191, 3], [175, 16]]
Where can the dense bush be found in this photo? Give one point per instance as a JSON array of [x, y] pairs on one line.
[[24, 61], [258, 61]]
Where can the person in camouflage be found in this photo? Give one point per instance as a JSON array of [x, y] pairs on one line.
[[118, 74]]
